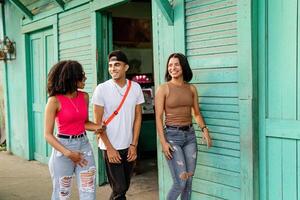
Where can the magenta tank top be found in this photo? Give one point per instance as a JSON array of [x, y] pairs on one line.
[[72, 115]]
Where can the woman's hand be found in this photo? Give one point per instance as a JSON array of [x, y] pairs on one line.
[[167, 149], [206, 136], [77, 158]]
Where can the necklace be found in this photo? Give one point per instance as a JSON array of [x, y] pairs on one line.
[[119, 90], [76, 108]]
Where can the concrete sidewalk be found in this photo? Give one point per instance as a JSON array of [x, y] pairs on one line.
[[30, 180]]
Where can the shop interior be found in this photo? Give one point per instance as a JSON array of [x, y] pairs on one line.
[[132, 33]]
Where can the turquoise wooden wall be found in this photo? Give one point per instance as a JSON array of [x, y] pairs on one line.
[[216, 37], [16, 88], [279, 77], [215, 34]]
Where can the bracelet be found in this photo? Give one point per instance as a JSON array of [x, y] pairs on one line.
[[204, 128], [133, 145]]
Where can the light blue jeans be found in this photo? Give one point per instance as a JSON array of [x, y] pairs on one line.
[[183, 164], [62, 170]]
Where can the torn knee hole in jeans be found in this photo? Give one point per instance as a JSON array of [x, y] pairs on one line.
[[65, 187], [185, 175], [87, 180]]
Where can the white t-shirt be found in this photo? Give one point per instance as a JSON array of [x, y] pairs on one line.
[[120, 129]]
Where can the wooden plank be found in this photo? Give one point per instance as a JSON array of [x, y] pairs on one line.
[[278, 35], [213, 61], [218, 89], [220, 136], [222, 122], [274, 168], [221, 107], [220, 115], [298, 168], [75, 43], [75, 50], [224, 130], [217, 75], [199, 195], [219, 176], [22, 8], [212, 29], [231, 17], [211, 14], [217, 190], [61, 3], [212, 36], [262, 63], [246, 65], [217, 101], [76, 35], [76, 28], [179, 27], [219, 161], [198, 3], [212, 43], [78, 16], [167, 10], [104, 4], [225, 144], [219, 150], [283, 128], [213, 50], [41, 24], [289, 169], [210, 7]]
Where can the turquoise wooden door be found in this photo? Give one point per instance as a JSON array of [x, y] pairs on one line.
[[104, 46], [279, 81], [41, 59]]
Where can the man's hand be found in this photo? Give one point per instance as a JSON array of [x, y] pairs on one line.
[[131, 156], [113, 156]]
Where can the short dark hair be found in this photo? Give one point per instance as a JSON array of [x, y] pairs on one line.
[[118, 55], [64, 76], [186, 69]]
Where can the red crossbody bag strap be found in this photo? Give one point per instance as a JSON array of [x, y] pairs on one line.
[[108, 120]]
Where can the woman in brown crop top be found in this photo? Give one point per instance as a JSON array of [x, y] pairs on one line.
[[178, 101]]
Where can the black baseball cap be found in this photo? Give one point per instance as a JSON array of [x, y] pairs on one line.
[[118, 55]]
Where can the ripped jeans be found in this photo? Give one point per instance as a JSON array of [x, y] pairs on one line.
[[62, 169], [183, 164]]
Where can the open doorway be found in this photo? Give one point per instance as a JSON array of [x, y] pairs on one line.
[[128, 27]]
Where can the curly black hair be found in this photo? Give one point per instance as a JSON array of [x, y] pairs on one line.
[[186, 69], [64, 76]]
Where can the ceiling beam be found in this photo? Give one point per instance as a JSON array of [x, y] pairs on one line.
[[61, 3], [22, 8], [167, 10]]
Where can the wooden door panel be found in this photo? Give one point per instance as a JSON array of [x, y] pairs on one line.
[[281, 124], [41, 59]]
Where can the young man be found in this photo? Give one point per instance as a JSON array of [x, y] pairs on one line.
[[119, 141]]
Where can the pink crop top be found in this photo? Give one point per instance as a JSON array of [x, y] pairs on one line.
[[72, 115]]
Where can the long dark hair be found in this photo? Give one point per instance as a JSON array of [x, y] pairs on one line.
[[186, 69], [64, 76]]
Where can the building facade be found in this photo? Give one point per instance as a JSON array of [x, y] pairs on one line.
[[244, 56]]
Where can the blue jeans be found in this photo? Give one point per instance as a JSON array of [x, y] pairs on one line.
[[62, 169], [183, 164]]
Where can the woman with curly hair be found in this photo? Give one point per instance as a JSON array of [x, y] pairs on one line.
[[67, 107]]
